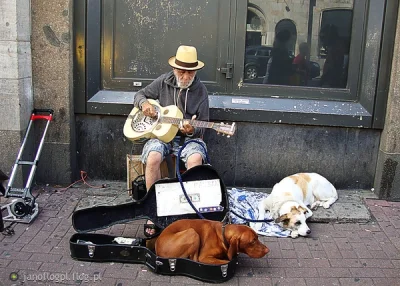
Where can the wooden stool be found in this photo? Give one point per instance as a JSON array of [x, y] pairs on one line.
[[136, 168]]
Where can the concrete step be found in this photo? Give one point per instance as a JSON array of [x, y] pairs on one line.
[[350, 206]]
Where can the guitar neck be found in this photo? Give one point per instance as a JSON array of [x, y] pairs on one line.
[[194, 123]]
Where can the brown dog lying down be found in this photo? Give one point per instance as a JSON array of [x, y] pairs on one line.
[[206, 241]]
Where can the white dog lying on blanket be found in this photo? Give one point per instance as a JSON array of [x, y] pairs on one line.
[[290, 197]]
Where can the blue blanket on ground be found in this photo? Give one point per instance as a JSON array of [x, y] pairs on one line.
[[245, 204]]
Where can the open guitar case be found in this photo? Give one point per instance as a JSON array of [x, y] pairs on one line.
[[102, 248]]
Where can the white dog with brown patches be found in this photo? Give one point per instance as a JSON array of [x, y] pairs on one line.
[[289, 200]]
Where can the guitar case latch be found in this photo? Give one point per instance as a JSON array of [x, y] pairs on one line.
[[172, 264], [224, 270], [91, 249]]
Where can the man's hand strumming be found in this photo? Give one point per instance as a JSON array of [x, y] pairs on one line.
[[148, 109]]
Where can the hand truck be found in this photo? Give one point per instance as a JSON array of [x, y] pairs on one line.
[[24, 209]]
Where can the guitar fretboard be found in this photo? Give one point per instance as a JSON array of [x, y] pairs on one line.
[[195, 123]]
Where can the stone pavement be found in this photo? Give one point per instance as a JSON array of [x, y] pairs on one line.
[[347, 246]]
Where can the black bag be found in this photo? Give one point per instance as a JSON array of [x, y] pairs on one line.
[[101, 248]]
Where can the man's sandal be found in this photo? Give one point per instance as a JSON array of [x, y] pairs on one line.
[[151, 226]]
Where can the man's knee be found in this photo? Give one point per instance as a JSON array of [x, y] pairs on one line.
[[153, 151], [154, 158], [194, 160]]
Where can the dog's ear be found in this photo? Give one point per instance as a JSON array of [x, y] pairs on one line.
[[233, 249], [302, 210], [283, 218]]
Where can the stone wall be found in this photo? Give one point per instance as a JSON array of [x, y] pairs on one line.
[[16, 99], [35, 39], [387, 178], [52, 85]]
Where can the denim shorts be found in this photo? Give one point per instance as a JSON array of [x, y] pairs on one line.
[[173, 147]]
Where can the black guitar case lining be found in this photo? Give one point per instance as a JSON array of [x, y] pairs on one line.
[[101, 248]]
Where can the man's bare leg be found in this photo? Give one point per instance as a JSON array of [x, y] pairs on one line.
[[194, 160], [153, 172], [152, 175]]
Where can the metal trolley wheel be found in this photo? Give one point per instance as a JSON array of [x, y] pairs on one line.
[[19, 208]]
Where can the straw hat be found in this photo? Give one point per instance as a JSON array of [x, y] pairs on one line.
[[186, 59]]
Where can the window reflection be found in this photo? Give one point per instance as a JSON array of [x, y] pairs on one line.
[[287, 45]]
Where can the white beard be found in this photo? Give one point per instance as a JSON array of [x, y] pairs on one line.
[[183, 86]]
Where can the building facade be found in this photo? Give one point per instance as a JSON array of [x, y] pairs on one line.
[[329, 108]]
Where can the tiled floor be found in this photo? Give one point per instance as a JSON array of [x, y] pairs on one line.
[[363, 253]]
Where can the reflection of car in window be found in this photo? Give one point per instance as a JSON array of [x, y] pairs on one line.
[[256, 61]]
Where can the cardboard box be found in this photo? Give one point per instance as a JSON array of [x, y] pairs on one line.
[[135, 168]]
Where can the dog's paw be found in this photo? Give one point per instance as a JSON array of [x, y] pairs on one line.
[[294, 234], [326, 205], [315, 205]]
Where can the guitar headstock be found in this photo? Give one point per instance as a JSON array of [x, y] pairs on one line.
[[225, 129]]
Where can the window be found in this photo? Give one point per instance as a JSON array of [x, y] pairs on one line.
[[264, 52], [310, 50], [251, 51], [138, 40], [277, 54]]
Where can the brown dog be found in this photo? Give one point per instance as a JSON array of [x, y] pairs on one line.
[[206, 241]]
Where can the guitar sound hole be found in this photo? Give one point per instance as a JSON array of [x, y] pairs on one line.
[[165, 112], [158, 127]]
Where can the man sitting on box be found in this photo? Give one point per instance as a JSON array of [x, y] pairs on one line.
[[180, 87]]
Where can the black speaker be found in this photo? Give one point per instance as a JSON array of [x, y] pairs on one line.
[[139, 188]]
